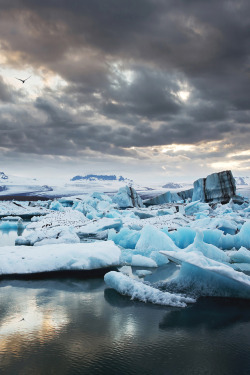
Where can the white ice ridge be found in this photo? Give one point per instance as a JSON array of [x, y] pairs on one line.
[[137, 290], [79, 256]]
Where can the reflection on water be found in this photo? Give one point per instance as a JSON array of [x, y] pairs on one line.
[[81, 327]]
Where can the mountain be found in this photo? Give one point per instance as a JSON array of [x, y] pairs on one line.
[[100, 177], [173, 185]]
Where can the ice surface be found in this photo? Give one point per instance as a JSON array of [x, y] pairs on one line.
[[79, 256], [142, 292]]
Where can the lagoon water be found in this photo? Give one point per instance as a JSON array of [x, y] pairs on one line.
[[76, 326]]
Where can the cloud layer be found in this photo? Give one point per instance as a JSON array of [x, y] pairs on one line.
[[114, 83]]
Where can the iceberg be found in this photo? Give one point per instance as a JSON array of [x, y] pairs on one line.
[[141, 261], [240, 256], [153, 239], [138, 291], [167, 197], [207, 277], [127, 197], [46, 236], [56, 206], [127, 238], [64, 257], [209, 251], [217, 187]]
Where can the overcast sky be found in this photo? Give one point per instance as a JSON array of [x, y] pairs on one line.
[[153, 90]]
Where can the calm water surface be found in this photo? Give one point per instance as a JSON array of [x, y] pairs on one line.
[[73, 326]]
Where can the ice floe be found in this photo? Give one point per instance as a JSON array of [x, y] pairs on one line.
[[63, 257]]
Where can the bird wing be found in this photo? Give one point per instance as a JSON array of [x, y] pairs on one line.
[[19, 79], [27, 78]]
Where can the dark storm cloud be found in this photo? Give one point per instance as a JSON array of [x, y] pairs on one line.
[[125, 63]]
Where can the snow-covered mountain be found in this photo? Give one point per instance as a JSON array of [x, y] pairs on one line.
[[100, 182], [242, 181]]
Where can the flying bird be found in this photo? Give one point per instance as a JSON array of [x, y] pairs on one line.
[[22, 80]]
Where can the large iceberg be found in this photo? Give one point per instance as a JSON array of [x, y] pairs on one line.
[[217, 187], [207, 277]]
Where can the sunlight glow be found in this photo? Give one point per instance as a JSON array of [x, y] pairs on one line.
[[183, 95]]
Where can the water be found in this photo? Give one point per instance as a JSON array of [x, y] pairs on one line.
[[82, 327]]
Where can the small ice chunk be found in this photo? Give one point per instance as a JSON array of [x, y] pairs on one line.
[[143, 273], [56, 206], [141, 261], [240, 256]]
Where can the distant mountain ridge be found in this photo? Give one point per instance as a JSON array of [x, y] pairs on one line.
[[173, 185], [99, 177]]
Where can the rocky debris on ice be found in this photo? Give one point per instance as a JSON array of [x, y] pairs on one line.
[[67, 218], [63, 257], [139, 291]]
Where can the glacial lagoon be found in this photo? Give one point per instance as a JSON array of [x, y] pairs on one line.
[[80, 326]]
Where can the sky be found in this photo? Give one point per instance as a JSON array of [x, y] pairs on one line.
[[154, 90]]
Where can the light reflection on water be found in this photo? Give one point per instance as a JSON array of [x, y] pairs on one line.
[[81, 327]]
